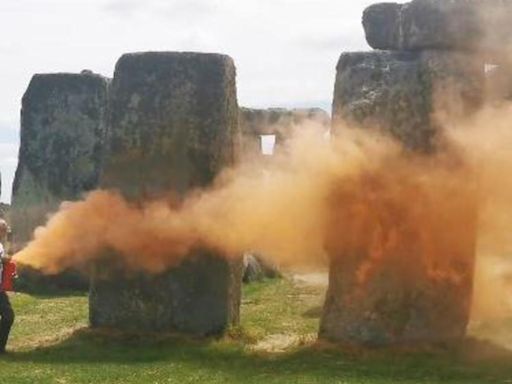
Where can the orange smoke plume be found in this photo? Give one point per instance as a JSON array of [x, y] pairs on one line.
[[274, 209], [315, 201]]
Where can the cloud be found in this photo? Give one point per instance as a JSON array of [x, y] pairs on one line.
[[7, 170], [8, 164], [9, 133], [8, 153], [189, 8], [349, 39], [174, 9], [123, 7]]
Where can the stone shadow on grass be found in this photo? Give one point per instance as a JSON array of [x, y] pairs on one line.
[[472, 361]]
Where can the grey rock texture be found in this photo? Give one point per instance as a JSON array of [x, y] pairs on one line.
[[62, 131], [256, 268], [467, 25], [173, 127], [253, 271], [407, 94], [279, 122], [200, 297], [382, 26], [409, 298], [393, 308], [172, 122]]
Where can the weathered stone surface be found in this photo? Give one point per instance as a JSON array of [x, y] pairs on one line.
[[172, 127], [470, 25], [62, 129], [257, 268], [200, 297], [279, 122], [252, 269], [408, 291], [410, 279], [403, 295], [382, 25], [406, 93]]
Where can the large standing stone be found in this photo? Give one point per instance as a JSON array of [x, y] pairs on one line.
[[62, 130], [406, 280], [405, 93], [278, 122], [468, 25], [173, 126]]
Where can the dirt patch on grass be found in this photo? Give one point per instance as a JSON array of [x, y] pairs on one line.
[[312, 279], [279, 343]]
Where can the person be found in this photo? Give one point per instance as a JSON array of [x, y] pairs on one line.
[[7, 274]]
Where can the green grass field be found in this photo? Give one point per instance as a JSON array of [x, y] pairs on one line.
[[275, 344]]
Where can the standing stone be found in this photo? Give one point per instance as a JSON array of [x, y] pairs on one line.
[[279, 122], [406, 93], [464, 25], [409, 290], [173, 127], [253, 270], [62, 130], [256, 268], [406, 281]]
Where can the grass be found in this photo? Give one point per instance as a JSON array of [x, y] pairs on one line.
[[275, 344]]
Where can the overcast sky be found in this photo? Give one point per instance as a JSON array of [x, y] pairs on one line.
[[285, 50]]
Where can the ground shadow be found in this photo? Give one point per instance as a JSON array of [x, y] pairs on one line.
[[472, 361]]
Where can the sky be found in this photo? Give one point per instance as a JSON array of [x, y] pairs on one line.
[[285, 50]]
